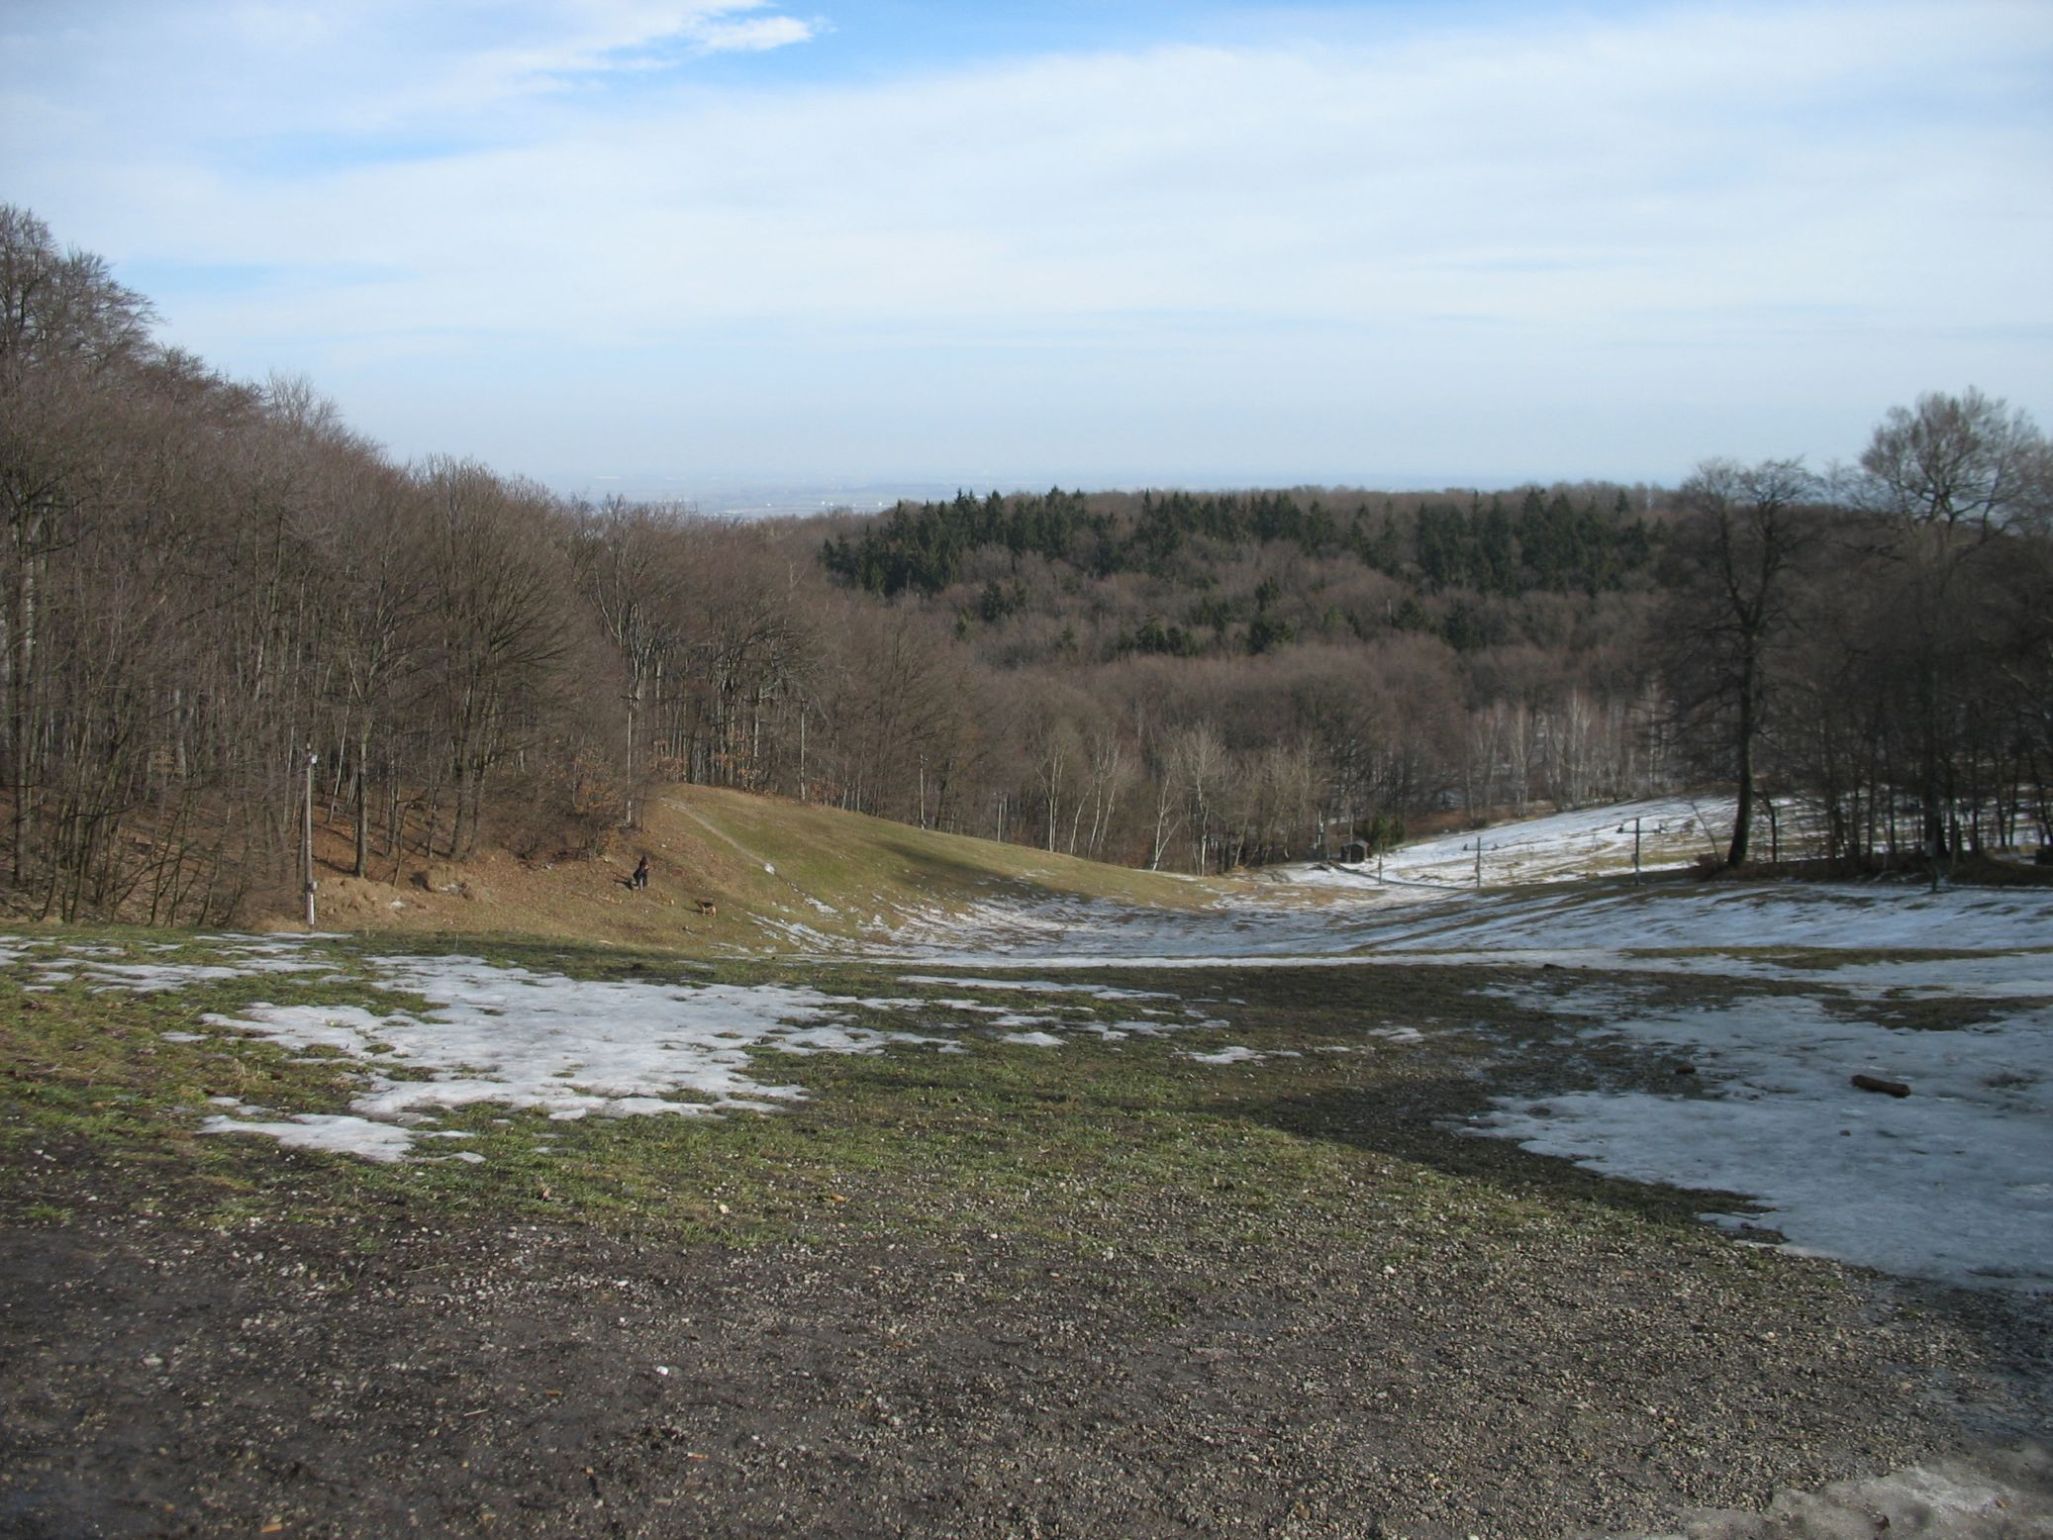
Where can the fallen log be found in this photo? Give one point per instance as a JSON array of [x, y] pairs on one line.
[[1885, 1087]]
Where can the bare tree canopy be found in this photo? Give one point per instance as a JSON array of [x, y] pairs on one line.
[[202, 580], [1967, 460], [1733, 566]]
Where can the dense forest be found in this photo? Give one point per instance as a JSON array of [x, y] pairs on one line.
[[206, 583]]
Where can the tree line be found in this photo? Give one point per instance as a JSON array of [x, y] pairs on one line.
[[1876, 645], [204, 581], [1563, 542]]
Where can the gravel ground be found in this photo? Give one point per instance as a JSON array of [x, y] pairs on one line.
[[157, 1380]]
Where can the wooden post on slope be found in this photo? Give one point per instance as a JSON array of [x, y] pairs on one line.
[[306, 844]]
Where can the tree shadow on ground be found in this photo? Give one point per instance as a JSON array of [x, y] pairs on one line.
[[1430, 1121]]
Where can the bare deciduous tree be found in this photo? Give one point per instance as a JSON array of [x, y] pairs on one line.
[[1735, 559]]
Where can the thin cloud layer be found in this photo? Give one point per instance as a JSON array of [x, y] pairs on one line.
[[573, 38], [755, 34], [1660, 228]]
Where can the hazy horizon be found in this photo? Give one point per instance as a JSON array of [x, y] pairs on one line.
[[801, 499]]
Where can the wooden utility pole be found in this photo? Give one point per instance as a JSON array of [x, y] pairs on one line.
[[1635, 847], [306, 840]]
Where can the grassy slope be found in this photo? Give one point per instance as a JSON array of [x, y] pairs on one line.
[[763, 862]]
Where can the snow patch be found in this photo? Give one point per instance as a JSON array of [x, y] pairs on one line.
[[331, 1134], [1232, 1055], [1953, 1183], [568, 1048]]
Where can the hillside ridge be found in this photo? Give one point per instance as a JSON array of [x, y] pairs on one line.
[[729, 871]]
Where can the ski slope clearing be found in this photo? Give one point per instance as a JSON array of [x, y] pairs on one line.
[[1954, 1183], [1947, 992], [1726, 928], [1805, 986], [1950, 994], [1559, 847]]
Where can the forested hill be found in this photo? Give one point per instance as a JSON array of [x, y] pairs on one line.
[[1181, 551], [210, 588], [1201, 678]]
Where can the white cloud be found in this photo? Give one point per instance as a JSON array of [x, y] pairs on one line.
[[191, 76], [1785, 202], [1563, 181], [757, 34], [573, 38]]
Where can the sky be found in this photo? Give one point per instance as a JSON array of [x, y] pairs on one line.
[[674, 248]]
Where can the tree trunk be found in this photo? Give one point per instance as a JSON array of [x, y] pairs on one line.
[[1743, 816]]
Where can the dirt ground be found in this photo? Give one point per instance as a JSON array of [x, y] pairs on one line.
[[159, 1380]]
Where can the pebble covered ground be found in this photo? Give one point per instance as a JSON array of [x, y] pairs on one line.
[[549, 1381]]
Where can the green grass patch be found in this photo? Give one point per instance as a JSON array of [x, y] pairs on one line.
[[835, 871], [1912, 1012], [1106, 1142]]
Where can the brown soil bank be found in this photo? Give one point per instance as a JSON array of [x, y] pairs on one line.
[[728, 871]]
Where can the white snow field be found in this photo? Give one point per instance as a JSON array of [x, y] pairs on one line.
[[565, 1047], [1813, 984], [569, 1048], [1953, 1183], [1558, 847], [1726, 928]]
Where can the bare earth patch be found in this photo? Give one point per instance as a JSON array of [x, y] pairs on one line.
[[541, 1381]]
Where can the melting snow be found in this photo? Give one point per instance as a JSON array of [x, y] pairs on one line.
[[566, 1047], [1673, 831], [1038, 987], [1233, 1055], [334, 1135], [1954, 1182]]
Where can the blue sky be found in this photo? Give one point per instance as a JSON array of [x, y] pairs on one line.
[[675, 246]]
